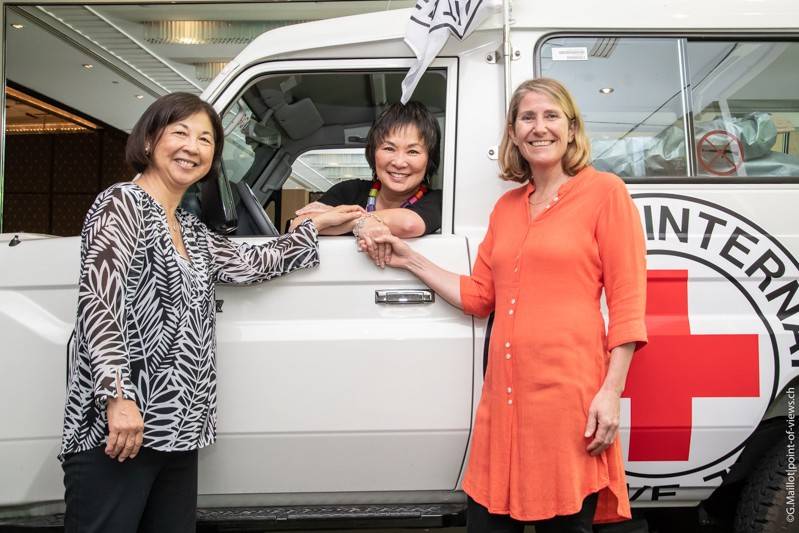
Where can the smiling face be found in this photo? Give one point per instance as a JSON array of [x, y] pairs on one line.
[[184, 152], [401, 161], [542, 132]]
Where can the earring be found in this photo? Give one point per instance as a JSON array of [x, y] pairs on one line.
[[147, 149]]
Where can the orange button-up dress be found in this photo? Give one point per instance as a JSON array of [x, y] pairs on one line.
[[549, 350]]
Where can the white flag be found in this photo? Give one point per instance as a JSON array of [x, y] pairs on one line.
[[431, 23]]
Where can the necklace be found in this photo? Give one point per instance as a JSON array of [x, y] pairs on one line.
[[548, 201], [371, 202]]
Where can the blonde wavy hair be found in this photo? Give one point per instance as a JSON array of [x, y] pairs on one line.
[[513, 167]]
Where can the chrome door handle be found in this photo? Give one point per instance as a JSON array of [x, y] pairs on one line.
[[400, 297]]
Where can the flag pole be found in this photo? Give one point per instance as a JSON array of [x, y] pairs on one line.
[[507, 49]]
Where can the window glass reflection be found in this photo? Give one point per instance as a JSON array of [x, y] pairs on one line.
[[746, 107], [629, 92]]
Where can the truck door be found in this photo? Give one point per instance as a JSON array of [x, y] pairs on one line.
[[321, 387]]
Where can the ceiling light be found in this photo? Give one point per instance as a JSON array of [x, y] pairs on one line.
[[140, 96], [606, 90], [193, 32], [88, 66], [59, 127], [17, 26], [80, 123]]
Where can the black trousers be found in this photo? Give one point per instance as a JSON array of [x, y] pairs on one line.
[[479, 520], [155, 492]]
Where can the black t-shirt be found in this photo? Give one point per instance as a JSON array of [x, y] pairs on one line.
[[356, 192]]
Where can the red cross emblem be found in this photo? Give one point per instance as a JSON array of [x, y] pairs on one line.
[[676, 367]]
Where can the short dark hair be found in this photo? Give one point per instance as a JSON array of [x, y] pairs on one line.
[[396, 116], [166, 110]]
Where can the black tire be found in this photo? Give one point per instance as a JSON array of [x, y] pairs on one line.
[[762, 505]]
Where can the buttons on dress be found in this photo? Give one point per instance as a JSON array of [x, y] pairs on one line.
[[513, 301], [507, 344], [510, 311], [510, 402], [507, 356], [510, 390]]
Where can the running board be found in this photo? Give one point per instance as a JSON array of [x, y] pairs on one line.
[[339, 516], [293, 517]]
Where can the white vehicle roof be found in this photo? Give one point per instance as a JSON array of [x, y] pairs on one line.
[[367, 28], [576, 15], [664, 15]]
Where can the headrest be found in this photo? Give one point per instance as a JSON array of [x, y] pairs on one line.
[[299, 119]]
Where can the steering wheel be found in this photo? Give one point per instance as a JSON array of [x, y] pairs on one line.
[[256, 210]]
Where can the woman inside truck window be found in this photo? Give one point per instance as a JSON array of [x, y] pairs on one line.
[[402, 149], [141, 396], [545, 447]]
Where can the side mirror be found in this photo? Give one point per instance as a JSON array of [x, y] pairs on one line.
[[218, 204]]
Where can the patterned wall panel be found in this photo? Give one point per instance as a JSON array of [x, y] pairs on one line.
[[28, 213], [69, 165], [69, 210], [76, 163], [28, 162], [114, 167]]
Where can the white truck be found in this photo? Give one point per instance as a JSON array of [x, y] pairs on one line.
[[349, 391]]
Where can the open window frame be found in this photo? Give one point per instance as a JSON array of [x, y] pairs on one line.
[[277, 170]]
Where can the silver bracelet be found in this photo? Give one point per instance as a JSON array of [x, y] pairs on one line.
[[356, 230]]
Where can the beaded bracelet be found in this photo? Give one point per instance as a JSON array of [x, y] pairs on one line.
[[356, 230]]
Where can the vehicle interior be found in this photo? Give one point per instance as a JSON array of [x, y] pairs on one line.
[[290, 137], [733, 100]]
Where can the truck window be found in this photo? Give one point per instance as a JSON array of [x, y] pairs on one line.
[[745, 98], [735, 103], [629, 93], [292, 136]]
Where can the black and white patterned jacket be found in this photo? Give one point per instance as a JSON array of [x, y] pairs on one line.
[[148, 315]]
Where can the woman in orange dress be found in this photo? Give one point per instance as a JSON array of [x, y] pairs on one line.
[[544, 448]]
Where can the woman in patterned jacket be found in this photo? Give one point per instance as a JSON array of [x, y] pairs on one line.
[[141, 396]]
